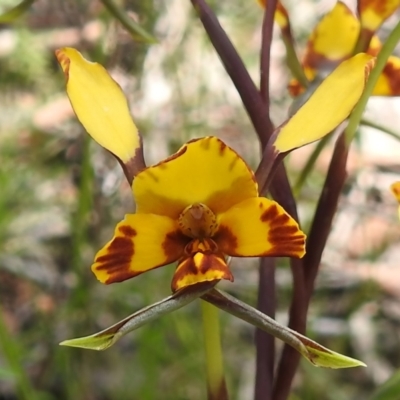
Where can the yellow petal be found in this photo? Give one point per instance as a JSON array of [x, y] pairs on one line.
[[395, 188], [99, 104], [200, 267], [328, 45], [328, 106], [259, 227], [374, 12], [141, 242], [281, 15], [389, 81], [202, 171]]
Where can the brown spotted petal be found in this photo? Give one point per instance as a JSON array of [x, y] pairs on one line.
[[141, 242], [374, 12], [259, 227], [202, 263]]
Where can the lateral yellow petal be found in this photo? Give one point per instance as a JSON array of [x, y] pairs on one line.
[[374, 12], [259, 227], [328, 106], [200, 267], [141, 242], [99, 104], [328, 45], [203, 171]]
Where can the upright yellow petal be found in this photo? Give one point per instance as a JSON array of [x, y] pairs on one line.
[[374, 12], [99, 104], [141, 242], [333, 39], [259, 227], [203, 171], [328, 106], [331, 42]]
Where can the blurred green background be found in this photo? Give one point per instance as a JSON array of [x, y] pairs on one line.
[[61, 196]]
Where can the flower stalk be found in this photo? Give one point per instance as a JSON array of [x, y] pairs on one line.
[[214, 361]]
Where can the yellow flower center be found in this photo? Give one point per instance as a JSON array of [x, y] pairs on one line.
[[198, 221]]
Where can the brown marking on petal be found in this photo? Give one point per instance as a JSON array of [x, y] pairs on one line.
[[212, 262], [222, 147], [205, 142], [286, 241], [284, 235], [393, 77], [174, 242], [188, 268], [381, 7], [225, 238], [295, 88], [369, 67], [321, 63], [270, 214], [64, 62], [185, 267], [117, 261], [127, 230], [163, 163]]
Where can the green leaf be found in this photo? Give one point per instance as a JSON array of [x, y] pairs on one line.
[[389, 390], [107, 337], [15, 12], [318, 355]]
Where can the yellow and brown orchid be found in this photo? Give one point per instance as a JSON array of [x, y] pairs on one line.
[[196, 207], [202, 203], [335, 37]]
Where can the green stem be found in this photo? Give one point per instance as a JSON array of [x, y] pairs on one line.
[[293, 62], [384, 129], [308, 168], [137, 32], [214, 363], [381, 60]]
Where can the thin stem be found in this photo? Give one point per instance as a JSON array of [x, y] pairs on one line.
[[265, 343], [137, 32], [214, 363], [265, 56], [384, 129], [308, 168], [293, 62], [236, 70]]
